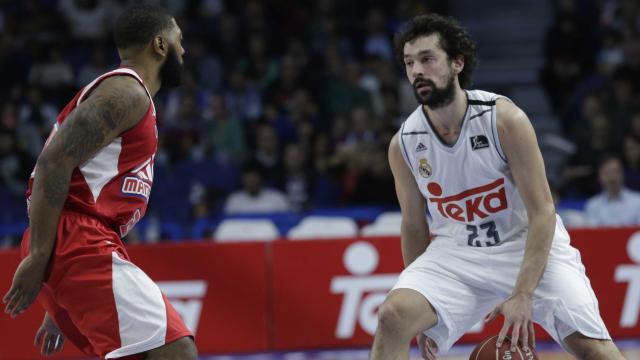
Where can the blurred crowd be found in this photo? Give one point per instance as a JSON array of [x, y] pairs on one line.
[[592, 78], [300, 99], [291, 107]]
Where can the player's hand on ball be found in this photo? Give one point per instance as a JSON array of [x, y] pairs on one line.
[[49, 338], [427, 347], [26, 285], [518, 314]]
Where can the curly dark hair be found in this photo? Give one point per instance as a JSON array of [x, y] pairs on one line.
[[138, 24], [454, 40]]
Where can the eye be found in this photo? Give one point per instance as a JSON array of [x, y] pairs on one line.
[[408, 63]]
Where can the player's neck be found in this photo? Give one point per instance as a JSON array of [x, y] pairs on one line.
[[449, 118], [146, 72]]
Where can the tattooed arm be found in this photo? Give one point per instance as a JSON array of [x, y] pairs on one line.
[[115, 106]]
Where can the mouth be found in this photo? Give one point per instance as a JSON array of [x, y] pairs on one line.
[[422, 86]]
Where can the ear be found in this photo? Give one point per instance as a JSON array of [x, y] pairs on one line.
[[160, 45], [458, 64]]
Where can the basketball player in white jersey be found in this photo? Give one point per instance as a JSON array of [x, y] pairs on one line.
[[479, 230]]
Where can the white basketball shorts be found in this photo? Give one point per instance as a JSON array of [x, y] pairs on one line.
[[464, 284]]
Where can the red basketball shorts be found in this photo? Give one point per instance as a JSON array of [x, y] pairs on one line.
[[104, 304]]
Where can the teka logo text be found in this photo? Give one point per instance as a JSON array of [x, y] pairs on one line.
[[630, 274], [471, 204], [363, 292]]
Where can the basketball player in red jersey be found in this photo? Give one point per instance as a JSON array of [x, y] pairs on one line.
[[90, 186], [489, 241]]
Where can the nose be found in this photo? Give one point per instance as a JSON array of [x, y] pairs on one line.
[[417, 70]]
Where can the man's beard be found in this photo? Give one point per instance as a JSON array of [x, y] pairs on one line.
[[437, 97], [171, 70]]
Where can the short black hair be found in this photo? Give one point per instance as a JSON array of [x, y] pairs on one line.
[[137, 25], [454, 40], [606, 157]]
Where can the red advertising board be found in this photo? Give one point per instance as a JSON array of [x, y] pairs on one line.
[[253, 297], [323, 290], [219, 290]]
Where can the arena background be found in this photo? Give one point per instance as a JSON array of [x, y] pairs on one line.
[[306, 96]]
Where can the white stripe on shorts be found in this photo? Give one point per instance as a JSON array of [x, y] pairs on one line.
[[142, 315]]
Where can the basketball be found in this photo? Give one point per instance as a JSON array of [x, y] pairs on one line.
[[486, 350]]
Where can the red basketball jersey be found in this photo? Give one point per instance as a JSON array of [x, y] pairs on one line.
[[114, 185]]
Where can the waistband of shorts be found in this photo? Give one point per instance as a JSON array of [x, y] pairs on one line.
[[78, 214]]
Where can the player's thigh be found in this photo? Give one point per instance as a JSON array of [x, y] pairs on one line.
[[408, 309], [181, 349], [118, 307], [584, 347], [456, 282]]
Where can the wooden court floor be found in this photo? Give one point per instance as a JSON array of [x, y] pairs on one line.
[[546, 351]]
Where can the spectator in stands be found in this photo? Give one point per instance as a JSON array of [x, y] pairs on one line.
[[593, 140], [35, 119], [632, 162], [571, 217], [87, 19], [374, 184], [13, 164], [51, 71], [295, 180], [267, 152], [97, 65], [254, 197], [225, 139], [615, 205]]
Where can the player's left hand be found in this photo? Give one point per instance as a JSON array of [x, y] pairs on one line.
[[518, 314], [49, 339], [26, 285]]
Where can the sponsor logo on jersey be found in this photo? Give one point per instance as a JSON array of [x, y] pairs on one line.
[[471, 204], [140, 183], [420, 147], [424, 168], [132, 185], [479, 142]]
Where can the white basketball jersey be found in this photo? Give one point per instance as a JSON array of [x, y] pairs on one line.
[[470, 191]]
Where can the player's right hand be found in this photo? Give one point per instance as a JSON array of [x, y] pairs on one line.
[[427, 347], [26, 285], [49, 338]]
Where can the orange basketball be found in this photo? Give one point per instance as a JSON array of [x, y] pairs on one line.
[[487, 350]]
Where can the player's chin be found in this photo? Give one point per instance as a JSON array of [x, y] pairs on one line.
[[424, 98]]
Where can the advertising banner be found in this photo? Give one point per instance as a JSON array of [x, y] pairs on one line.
[[312, 294]]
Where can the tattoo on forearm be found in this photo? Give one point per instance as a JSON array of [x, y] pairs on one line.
[[56, 188], [93, 123]]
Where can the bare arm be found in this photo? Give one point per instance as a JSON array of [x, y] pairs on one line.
[[116, 105], [414, 230], [520, 146]]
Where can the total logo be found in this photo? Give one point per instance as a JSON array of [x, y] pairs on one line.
[[363, 292], [186, 297]]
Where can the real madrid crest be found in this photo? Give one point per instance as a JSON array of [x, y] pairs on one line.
[[424, 168]]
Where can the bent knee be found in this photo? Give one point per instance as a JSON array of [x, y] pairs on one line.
[[410, 311], [583, 347]]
